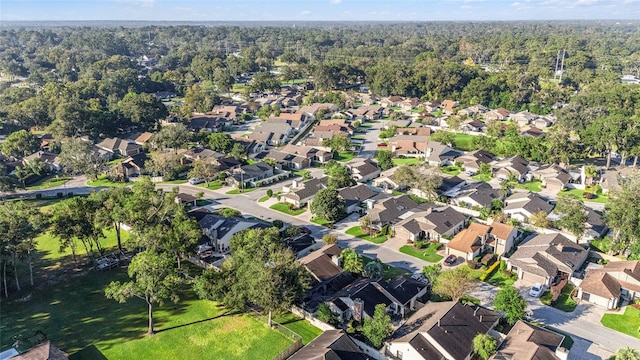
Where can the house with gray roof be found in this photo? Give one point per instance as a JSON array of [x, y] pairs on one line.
[[331, 344], [472, 160], [435, 223], [439, 154], [301, 193], [441, 330], [476, 195], [526, 341], [545, 257], [515, 165], [387, 210], [250, 175], [272, 133], [50, 159], [363, 170], [522, 205], [610, 285], [218, 230], [552, 177], [354, 197], [119, 147]]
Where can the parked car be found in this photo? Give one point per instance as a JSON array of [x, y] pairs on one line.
[[195, 181], [305, 230], [382, 144], [536, 290], [450, 260]]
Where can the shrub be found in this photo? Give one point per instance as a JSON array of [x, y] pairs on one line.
[[420, 244], [587, 195], [503, 265], [278, 223], [488, 260], [489, 271], [472, 264], [269, 193]]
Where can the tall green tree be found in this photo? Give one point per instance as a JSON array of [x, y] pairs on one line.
[[572, 215], [75, 219], [622, 214], [143, 110], [327, 204], [338, 143], [454, 283], [203, 169], [385, 159], [174, 137], [220, 142], [509, 300], [20, 144], [153, 279], [351, 261], [77, 156], [378, 327], [8, 182], [339, 176], [484, 346], [112, 213]]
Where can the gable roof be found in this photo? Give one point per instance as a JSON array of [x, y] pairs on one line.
[[330, 345], [616, 275], [309, 188], [469, 239], [390, 210], [528, 201], [598, 282], [545, 254], [356, 194], [500, 230], [45, 351], [529, 342]]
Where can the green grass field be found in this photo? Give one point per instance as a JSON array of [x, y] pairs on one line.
[[49, 245], [464, 142], [104, 181], [564, 302], [429, 254], [78, 318], [534, 185], [264, 198], [284, 208], [407, 161], [345, 156], [320, 221], [213, 185], [627, 323], [482, 177], [598, 196], [238, 191], [49, 182], [451, 170], [357, 232]]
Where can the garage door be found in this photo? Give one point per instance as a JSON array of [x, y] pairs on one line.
[[532, 278]]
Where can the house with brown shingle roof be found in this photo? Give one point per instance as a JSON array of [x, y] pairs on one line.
[[529, 342], [449, 106], [469, 242], [45, 351], [500, 114], [323, 265], [431, 223], [408, 145], [502, 238], [119, 147], [553, 177], [606, 286]]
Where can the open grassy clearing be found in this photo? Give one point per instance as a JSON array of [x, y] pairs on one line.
[[626, 323], [407, 161], [534, 185], [80, 320], [464, 142], [103, 180], [49, 182]]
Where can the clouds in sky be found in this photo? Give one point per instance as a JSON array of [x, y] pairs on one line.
[[329, 10]]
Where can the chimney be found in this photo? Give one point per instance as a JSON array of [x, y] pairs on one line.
[[559, 247], [438, 322], [475, 311], [294, 184], [335, 259], [562, 353], [358, 309]]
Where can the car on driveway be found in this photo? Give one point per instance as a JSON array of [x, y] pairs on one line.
[[536, 290], [382, 144], [195, 181], [450, 260]]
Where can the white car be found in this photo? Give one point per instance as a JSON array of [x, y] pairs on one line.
[[536, 290], [195, 181]]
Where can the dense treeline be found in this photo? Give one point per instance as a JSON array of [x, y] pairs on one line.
[[90, 78]]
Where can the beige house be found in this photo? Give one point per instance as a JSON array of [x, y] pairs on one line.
[[607, 286], [478, 238], [435, 224]]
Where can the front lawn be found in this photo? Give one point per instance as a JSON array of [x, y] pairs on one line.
[[564, 302], [49, 182], [501, 278], [429, 254], [389, 271], [597, 196], [264, 198], [103, 180], [213, 185], [534, 185], [451, 170], [176, 182], [321, 221], [627, 323], [238, 191], [345, 156], [284, 208], [78, 318], [406, 161], [482, 177], [357, 232]]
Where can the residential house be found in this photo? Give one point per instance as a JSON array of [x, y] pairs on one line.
[[402, 123], [331, 344], [131, 167], [531, 131], [472, 160], [526, 341], [119, 147], [515, 165], [230, 112], [595, 226], [523, 118], [44, 351], [391, 101], [553, 177], [545, 257], [408, 145], [272, 133], [430, 223], [474, 125], [200, 153], [439, 154], [475, 195], [502, 238], [385, 210], [385, 181], [473, 110], [251, 175], [186, 199], [415, 130], [522, 205], [441, 330], [301, 193], [314, 154], [432, 106], [409, 104], [399, 295], [327, 131], [366, 113], [450, 185], [609, 286], [355, 196], [227, 164], [141, 138], [312, 110], [469, 242], [499, 114], [218, 230], [612, 180], [363, 170], [544, 121], [324, 267], [449, 107], [51, 160], [207, 123], [288, 161]]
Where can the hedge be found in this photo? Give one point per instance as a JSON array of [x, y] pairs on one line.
[[490, 271]]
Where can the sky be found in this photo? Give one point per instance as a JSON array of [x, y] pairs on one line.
[[323, 10]]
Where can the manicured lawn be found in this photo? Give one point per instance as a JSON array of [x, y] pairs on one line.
[[357, 232], [237, 191], [299, 326], [627, 323], [429, 254], [213, 185], [49, 245], [500, 279], [178, 181], [464, 142], [389, 271], [598, 196], [320, 221], [345, 156], [564, 302], [284, 208], [358, 137], [533, 186], [49, 182], [104, 181], [451, 170], [264, 198], [482, 177], [407, 161], [81, 321]]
